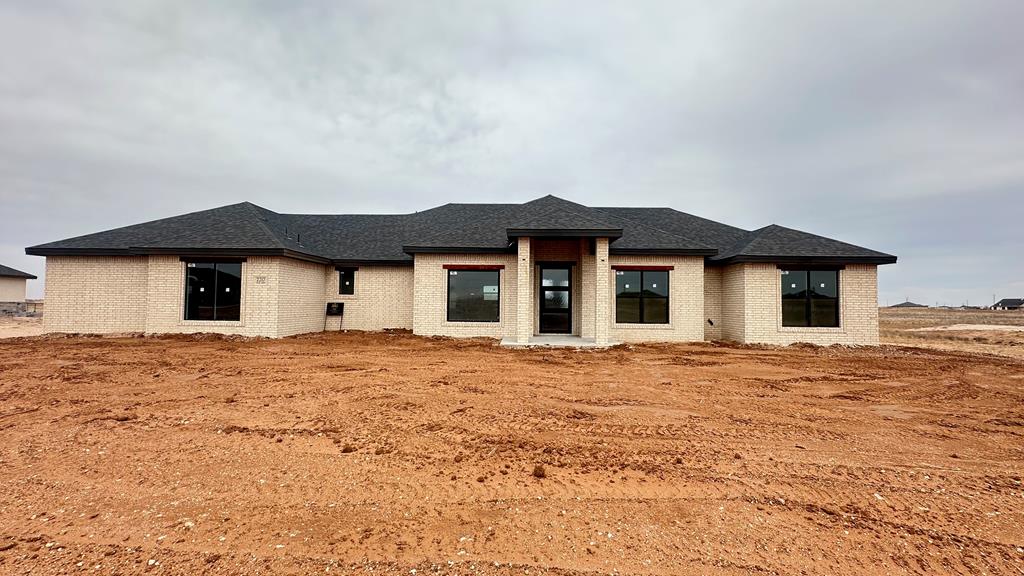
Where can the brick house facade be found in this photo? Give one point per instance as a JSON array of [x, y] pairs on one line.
[[13, 284], [515, 273]]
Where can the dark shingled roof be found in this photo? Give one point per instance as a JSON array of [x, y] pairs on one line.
[[8, 272], [682, 224], [247, 229], [494, 226], [909, 304], [236, 227], [773, 242], [1010, 303]]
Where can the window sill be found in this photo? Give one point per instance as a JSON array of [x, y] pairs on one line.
[[813, 329], [211, 323], [471, 322], [642, 326]]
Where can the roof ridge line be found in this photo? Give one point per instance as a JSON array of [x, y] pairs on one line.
[[290, 214], [688, 214], [262, 224], [749, 239], [652, 227], [574, 213], [569, 210], [282, 245]]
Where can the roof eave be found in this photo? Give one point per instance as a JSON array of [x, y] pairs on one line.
[[20, 276], [370, 262], [664, 251], [187, 252], [44, 251], [565, 232], [456, 250], [879, 260]]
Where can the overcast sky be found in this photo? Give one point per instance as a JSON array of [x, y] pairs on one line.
[[894, 125]]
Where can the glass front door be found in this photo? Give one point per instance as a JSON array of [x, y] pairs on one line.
[[555, 300]]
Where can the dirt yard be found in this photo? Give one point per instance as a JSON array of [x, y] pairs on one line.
[[394, 454], [14, 327], [987, 331]]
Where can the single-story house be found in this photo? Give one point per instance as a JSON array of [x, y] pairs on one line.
[[909, 304], [12, 284], [1009, 304], [526, 273]]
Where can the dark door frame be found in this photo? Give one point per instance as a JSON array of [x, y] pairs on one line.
[[567, 266]]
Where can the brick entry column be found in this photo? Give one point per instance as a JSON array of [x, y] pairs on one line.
[[602, 296], [524, 302]]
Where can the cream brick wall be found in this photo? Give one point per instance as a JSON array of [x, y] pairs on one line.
[[603, 317], [280, 296], [686, 296], [524, 290], [430, 297], [301, 303], [757, 287], [166, 299], [733, 304], [95, 294], [382, 299], [12, 289], [686, 301], [588, 292], [713, 303]]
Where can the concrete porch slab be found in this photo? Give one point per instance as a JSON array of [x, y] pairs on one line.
[[556, 341]]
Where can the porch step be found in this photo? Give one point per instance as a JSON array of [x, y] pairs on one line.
[[556, 341]]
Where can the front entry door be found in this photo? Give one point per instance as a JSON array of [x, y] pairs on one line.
[[555, 300]]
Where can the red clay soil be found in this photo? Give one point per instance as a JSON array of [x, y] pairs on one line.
[[393, 454]]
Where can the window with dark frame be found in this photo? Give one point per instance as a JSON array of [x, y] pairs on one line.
[[810, 298], [641, 296], [474, 295], [213, 291], [347, 281]]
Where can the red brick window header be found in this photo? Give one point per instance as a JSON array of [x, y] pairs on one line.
[[473, 266], [643, 268]]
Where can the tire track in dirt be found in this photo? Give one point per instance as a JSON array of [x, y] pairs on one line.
[[682, 452]]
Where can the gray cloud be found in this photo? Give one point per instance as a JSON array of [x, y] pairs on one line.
[[899, 127]]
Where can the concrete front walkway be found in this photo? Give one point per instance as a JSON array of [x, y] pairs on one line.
[[556, 341]]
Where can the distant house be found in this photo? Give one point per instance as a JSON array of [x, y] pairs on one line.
[[12, 284], [1009, 304], [909, 304]]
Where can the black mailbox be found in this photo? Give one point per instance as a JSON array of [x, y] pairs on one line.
[[335, 308]]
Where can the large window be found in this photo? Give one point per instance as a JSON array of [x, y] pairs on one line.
[[810, 298], [473, 295], [213, 291], [641, 296], [346, 280]]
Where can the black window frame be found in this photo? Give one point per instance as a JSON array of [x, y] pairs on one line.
[[215, 263], [809, 297], [448, 294], [642, 299], [342, 271], [541, 293]]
